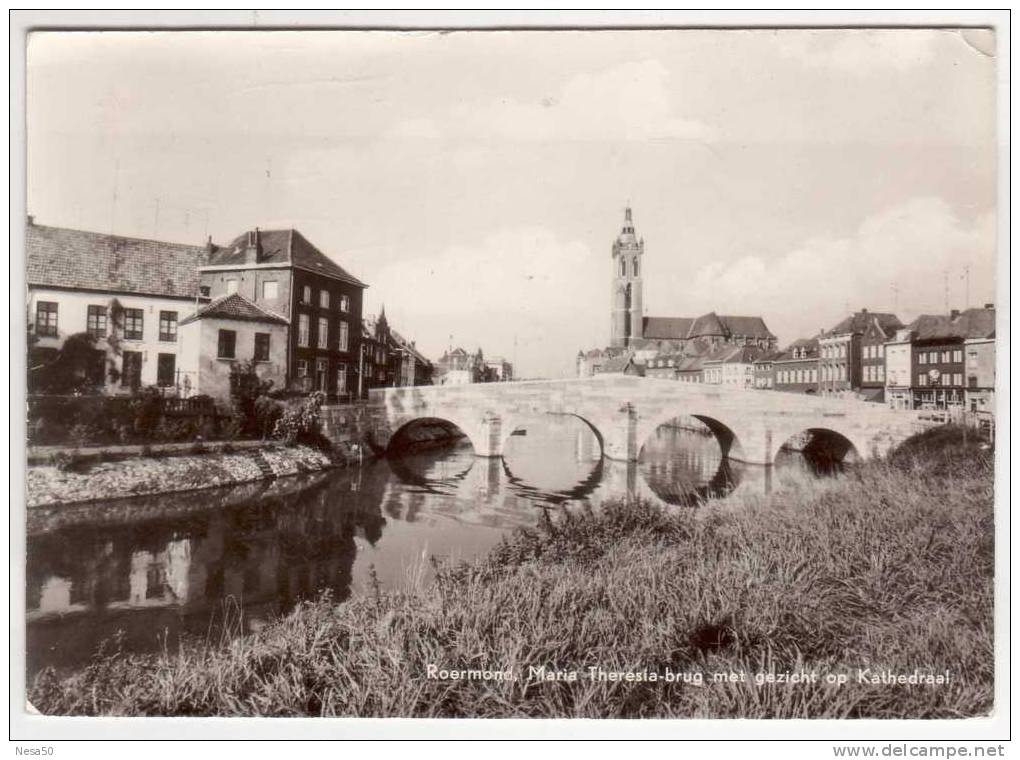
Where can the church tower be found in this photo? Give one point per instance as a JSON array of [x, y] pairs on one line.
[[627, 322]]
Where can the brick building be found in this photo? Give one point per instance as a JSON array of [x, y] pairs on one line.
[[841, 356], [796, 368], [282, 272]]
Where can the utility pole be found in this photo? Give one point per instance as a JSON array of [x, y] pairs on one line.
[[945, 282], [896, 298], [966, 276]]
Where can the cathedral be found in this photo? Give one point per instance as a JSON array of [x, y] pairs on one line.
[[636, 340]]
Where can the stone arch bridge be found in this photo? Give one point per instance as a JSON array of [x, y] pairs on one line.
[[624, 411]]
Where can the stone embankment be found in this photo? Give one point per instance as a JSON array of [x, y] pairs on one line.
[[91, 480]]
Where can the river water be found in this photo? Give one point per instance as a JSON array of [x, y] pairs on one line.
[[149, 570]]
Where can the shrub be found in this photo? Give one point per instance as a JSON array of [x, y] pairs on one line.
[[301, 423]]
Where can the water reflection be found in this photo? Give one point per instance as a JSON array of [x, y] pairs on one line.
[[159, 568]]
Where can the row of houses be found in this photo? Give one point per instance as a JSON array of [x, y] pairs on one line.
[[935, 362], [180, 316]]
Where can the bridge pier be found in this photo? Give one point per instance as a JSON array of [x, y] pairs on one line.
[[488, 441], [620, 436]]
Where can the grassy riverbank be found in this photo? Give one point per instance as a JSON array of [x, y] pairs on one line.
[[888, 568]]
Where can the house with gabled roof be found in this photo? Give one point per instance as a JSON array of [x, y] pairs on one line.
[[283, 272], [226, 333], [128, 294]]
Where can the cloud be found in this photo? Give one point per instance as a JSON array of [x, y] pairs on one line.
[[523, 284], [860, 51], [911, 247], [632, 101]]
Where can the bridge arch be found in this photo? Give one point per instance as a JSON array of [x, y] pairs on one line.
[[822, 444], [512, 426], [725, 435], [401, 436]]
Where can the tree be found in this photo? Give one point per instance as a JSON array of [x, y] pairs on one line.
[[76, 367]]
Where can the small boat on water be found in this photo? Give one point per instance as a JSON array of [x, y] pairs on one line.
[[521, 431]]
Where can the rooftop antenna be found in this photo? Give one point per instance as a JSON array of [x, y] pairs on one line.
[[945, 282], [966, 276], [895, 298]]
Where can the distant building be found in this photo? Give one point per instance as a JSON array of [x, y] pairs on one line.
[[281, 271], [764, 370], [841, 356], [796, 368], [936, 347], [388, 360], [623, 365], [650, 337], [980, 391], [457, 367]]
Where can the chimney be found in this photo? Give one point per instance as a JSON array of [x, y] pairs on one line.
[[253, 252], [954, 313], [864, 311]]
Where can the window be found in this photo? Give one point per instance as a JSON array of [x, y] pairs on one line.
[[131, 369], [168, 326], [321, 368], [204, 290], [226, 344], [957, 379], [231, 285], [345, 303], [133, 324], [323, 336], [922, 380], [957, 356], [933, 357], [341, 379], [634, 267], [261, 347], [270, 289], [302, 368], [165, 370], [922, 358], [947, 357], [881, 373], [95, 321], [306, 294], [302, 333], [46, 319], [972, 382], [324, 299], [623, 267]]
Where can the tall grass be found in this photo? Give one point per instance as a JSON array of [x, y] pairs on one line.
[[889, 567]]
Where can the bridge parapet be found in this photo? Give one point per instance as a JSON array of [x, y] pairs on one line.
[[625, 411]]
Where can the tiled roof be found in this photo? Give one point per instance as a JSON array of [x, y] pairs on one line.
[[858, 322], [666, 328], [234, 306], [406, 345], [971, 323], [752, 327], [65, 258], [707, 324], [743, 355], [288, 247], [711, 324]]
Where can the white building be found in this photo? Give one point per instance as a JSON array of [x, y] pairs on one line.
[[130, 294]]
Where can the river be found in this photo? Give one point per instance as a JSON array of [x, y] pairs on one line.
[[148, 570]]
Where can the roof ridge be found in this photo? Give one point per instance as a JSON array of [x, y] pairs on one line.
[[35, 225]]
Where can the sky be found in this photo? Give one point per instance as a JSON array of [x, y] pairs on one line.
[[476, 180]]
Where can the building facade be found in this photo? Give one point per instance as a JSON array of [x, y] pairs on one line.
[[226, 333], [797, 368], [128, 295], [282, 272], [840, 354], [939, 374], [980, 391]]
